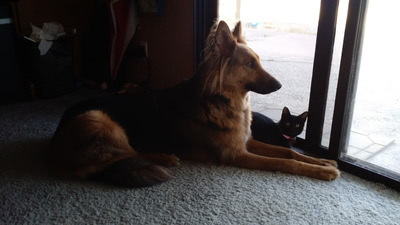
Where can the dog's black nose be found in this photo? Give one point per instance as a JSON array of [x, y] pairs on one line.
[[272, 87], [278, 86]]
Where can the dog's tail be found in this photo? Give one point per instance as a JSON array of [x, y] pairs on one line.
[[135, 171]]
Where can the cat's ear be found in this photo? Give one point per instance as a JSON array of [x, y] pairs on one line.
[[285, 111], [303, 116], [285, 114]]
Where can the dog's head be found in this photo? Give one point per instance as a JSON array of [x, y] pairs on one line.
[[232, 65]]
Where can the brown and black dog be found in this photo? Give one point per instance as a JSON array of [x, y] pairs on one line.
[[131, 140]]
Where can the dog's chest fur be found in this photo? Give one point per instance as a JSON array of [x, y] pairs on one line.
[[220, 125]]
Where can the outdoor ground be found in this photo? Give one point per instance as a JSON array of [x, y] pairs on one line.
[[283, 33], [289, 57]]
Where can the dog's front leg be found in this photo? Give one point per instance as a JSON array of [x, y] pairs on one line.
[[252, 161], [268, 150]]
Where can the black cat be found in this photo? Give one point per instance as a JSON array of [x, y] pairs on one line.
[[283, 133]]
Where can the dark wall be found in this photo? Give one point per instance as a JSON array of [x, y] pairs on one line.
[[70, 13], [170, 42], [169, 36], [10, 79]]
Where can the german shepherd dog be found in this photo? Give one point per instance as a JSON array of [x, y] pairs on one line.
[[130, 140]]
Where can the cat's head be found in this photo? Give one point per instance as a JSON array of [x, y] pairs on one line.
[[290, 125]]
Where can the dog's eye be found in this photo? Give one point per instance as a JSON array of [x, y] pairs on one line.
[[252, 64], [287, 124], [297, 125]]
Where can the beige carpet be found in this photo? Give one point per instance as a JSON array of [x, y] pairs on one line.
[[198, 194]]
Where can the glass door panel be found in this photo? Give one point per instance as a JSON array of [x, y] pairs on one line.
[[374, 137], [333, 80]]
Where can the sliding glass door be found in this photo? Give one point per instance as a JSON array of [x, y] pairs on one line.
[[368, 98]]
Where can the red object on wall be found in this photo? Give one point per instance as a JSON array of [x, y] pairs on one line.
[[124, 21]]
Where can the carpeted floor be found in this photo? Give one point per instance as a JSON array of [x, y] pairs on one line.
[[199, 194]]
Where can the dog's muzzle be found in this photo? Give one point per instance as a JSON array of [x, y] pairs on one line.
[[265, 86]]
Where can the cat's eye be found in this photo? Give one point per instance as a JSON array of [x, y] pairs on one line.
[[287, 124], [297, 125]]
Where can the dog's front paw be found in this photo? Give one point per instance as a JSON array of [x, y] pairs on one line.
[[328, 162], [329, 173]]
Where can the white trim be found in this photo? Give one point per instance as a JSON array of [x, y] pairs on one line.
[[5, 21]]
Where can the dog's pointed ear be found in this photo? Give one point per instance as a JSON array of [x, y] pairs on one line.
[[237, 33], [225, 42]]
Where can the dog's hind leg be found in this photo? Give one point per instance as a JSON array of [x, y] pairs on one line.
[[268, 150], [134, 171], [162, 159], [92, 144], [252, 161]]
